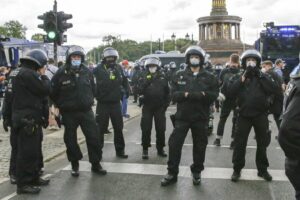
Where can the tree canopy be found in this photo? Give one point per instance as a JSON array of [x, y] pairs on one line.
[[14, 29], [133, 50]]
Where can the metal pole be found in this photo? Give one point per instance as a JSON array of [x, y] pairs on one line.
[[55, 42]]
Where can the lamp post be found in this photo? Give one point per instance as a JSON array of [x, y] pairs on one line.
[[187, 36], [173, 36]]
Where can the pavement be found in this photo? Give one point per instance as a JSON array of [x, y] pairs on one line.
[[134, 178]]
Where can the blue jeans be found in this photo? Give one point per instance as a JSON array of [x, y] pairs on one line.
[[124, 105]]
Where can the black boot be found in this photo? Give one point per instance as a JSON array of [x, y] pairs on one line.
[[231, 145], [168, 180], [196, 178], [217, 142], [28, 190], [122, 154], [75, 168], [41, 182], [13, 179], [97, 169], [265, 175], [236, 176], [161, 153], [145, 155]]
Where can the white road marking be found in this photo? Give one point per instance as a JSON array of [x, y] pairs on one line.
[[9, 196], [184, 171]]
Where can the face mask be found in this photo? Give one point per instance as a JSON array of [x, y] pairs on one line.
[[263, 70], [152, 70], [251, 64], [195, 73], [195, 61], [76, 63]]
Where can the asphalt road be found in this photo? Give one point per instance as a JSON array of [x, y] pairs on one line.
[[135, 178]]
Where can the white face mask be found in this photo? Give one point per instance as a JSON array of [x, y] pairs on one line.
[[195, 73], [152, 70], [251, 64], [194, 61], [263, 70]]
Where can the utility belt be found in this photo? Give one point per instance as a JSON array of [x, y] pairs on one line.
[[29, 126]]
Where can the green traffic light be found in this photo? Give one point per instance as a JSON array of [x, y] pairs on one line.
[[51, 35]]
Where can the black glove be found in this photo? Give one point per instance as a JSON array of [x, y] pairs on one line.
[[6, 124], [58, 120], [248, 72], [45, 123]]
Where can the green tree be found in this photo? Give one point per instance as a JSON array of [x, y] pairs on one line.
[[38, 37], [13, 28]]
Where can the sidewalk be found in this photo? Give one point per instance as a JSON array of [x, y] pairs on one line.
[[53, 144]]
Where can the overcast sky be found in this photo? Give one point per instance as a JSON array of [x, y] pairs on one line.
[[139, 19]]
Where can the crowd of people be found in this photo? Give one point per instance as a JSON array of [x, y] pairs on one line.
[[248, 86]]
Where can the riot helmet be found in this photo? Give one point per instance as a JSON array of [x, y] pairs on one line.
[[152, 64], [173, 65], [251, 53], [36, 57], [194, 50], [75, 50], [110, 55], [295, 73]]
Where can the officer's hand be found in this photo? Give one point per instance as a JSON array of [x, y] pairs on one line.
[[6, 124]]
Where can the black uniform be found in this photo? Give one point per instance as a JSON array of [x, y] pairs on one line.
[[253, 106], [111, 82], [7, 120], [135, 81], [155, 89], [73, 93], [29, 93], [229, 104], [276, 100], [289, 134], [192, 113]]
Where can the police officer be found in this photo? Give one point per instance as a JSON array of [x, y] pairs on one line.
[[7, 122], [194, 90], [154, 87], [135, 78], [30, 88], [111, 82], [289, 131], [252, 90], [172, 71], [228, 104], [73, 93]]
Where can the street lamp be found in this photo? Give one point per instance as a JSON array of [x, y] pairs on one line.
[[173, 36], [187, 36]]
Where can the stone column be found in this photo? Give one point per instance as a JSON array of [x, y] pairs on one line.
[[214, 31], [236, 33], [230, 31], [222, 31], [239, 32], [203, 32], [208, 36]]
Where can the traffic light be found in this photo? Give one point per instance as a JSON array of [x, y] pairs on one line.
[[55, 24], [62, 24], [49, 25]]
